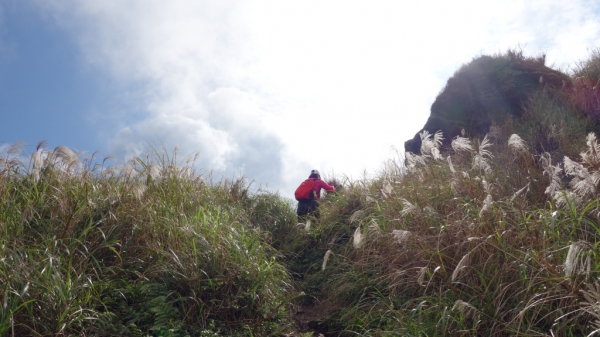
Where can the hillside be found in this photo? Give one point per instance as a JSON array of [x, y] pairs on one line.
[[488, 232]]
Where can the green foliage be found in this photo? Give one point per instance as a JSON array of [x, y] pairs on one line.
[[146, 248], [494, 235], [486, 243]]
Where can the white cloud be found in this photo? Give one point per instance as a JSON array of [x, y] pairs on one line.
[[277, 88], [188, 60]]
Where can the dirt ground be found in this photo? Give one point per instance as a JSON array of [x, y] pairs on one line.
[[308, 318]]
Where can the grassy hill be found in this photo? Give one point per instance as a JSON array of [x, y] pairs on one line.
[[491, 234]]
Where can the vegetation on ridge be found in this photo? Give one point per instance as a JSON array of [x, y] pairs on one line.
[[145, 248], [494, 235]]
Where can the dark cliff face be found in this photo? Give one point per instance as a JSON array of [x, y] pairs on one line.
[[484, 92]]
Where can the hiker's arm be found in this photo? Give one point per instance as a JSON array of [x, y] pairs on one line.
[[326, 187]]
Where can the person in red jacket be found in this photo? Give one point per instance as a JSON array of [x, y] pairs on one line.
[[311, 206]]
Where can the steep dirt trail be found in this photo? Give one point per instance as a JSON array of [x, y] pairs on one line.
[[308, 318]]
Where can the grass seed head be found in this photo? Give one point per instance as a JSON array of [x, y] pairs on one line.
[[462, 144], [517, 144], [465, 308], [358, 238], [401, 236], [355, 217], [578, 261], [421, 276], [487, 205], [450, 165], [408, 208], [326, 258], [463, 264]]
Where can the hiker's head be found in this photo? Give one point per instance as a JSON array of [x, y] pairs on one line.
[[314, 174]]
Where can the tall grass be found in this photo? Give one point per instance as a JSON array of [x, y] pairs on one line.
[[489, 236], [145, 248], [494, 240]]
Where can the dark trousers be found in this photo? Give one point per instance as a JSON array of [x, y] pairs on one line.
[[307, 208]]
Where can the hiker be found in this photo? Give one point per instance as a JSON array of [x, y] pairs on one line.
[[308, 201]]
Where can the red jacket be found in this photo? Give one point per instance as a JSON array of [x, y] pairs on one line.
[[320, 184]]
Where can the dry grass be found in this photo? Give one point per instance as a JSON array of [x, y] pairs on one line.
[[459, 247]]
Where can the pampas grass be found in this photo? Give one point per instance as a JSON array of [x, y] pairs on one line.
[[465, 308], [482, 156], [357, 238], [450, 164], [430, 143], [83, 244], [326, 259], [408, 208], [462, 264], [578, 261], [487, 205], [356, 216], [517, 145], [462, 144], [401, 236], [553, 174]]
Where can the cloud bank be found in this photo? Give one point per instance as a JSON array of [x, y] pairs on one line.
[[184, 64], [273, 89]]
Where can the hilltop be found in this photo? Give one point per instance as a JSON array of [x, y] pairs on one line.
[[493, 92]]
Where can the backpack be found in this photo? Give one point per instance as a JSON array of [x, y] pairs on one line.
[[305, 190]]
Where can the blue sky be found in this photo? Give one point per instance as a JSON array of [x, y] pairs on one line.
[[267, 89]]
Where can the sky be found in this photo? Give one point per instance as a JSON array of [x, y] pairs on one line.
[[268, 90]]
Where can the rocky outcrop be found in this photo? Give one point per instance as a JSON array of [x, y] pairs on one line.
[[484, 92]]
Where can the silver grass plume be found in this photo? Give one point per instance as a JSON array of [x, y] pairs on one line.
[[566, 199], [109, 172], [428, 143], [430, 212], [358, 237], [401, 236], [37, 162], [584, 182], [186, 173], [468, 310], [487, 205], [519, 192], [435, 153], [485, 185], [553, 173], [326, 258], [413, 160], [15, 148], [517, 145], [355, 217], [464, 263], [481, 160], [387, 188], [462, 144], [450, 165], [153, 171], [409, 208], [67, 156], [374, 228], [138, 190], [170, 171], [127, 171], [578, 261], [421, 276], [592, 155]]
